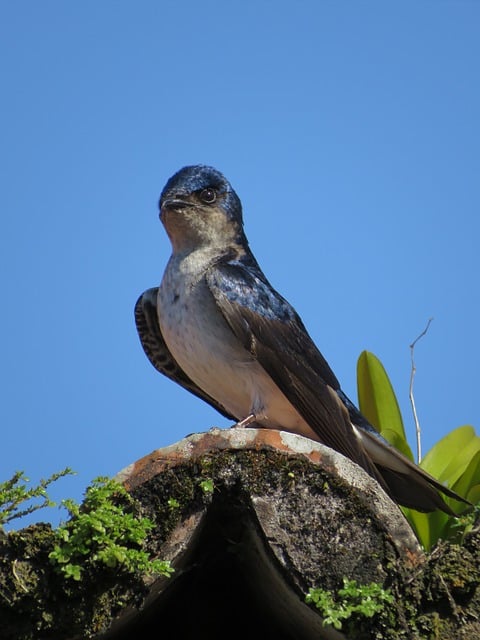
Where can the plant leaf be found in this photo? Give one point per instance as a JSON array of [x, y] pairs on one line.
[[470, 478], [420, 522], [378, 403], [451, 455]]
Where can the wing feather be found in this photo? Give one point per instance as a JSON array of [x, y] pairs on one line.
[[157, 352], [272, 331]]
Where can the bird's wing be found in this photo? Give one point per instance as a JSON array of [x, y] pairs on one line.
[[273, 333], [157, 351]]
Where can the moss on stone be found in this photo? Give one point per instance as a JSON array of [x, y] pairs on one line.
[[441, 600]]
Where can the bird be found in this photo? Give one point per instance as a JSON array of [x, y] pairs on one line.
[[217, 327]]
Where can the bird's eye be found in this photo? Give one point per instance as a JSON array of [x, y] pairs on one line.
[[208, 195]]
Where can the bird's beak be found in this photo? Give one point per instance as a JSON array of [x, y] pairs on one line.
[[172, 204], [175, 203]]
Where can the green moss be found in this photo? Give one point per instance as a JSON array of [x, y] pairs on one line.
[[350, 604], [35, 601], [104, 531]]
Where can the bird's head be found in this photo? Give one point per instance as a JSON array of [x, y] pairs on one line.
[[199, 208]]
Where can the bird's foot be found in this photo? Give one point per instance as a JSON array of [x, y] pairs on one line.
[[245, 422]]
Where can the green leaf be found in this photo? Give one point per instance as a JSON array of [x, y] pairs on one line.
[[430, 527], [207, 485], [451, 455], [73, 571], [14, 493], [473, 494], [454, 460], [420, 523], [378, 402], [103, 532], [470, 478]]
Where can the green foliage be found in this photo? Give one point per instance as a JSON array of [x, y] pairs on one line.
[[352, 600], [15, 492], [454, 460], [207, 485], [378, 402], [104, 531]]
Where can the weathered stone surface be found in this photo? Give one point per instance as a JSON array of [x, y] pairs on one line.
[[301, 515], [345, 473], [251, 519]]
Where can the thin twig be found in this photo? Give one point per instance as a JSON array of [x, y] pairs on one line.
[[17, 577], [412, 399]]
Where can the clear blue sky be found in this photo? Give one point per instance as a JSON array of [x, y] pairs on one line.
[[351, 132]]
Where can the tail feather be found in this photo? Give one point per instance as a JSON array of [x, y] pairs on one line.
[[406, 482]]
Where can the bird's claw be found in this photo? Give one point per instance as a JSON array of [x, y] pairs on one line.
[[245, 422]]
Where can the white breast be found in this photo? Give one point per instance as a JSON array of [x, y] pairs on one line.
[[206, 349]]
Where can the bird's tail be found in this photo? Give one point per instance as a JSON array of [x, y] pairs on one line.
[[406, 482]]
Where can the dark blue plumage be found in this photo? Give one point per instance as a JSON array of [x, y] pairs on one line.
[[194, 179]]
